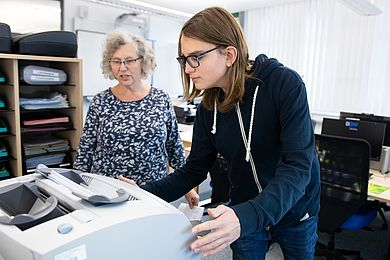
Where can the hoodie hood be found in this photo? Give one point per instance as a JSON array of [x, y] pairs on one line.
[[263, 66]]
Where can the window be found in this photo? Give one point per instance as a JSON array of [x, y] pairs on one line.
[[38, 15]]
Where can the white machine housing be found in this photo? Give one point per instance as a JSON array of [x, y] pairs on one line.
[[385, 160], [143, 227]]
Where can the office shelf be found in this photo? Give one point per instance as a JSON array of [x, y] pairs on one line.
[[11, 90]]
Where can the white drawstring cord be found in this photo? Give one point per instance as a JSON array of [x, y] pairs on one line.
[[248, 147], [247, 144], [214, 129]]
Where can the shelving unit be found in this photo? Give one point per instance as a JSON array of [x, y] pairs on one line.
[[10, 91]]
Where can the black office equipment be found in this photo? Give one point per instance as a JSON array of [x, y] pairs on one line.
[[185, 115], [344, 164], [373, 132], [5, 38], [52, 43], [370, 118]]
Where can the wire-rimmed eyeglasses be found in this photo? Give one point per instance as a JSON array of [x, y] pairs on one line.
[[127, 62], [193, 60]]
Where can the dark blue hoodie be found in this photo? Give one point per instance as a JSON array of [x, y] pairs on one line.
[[282, 147]]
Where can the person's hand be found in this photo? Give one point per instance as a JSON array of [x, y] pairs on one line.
[[130, 181], [225, 229], [192, 198]]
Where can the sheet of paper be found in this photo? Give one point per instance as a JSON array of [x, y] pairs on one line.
[[376, 189], [195, 213]]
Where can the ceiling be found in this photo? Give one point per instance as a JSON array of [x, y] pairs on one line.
[[193, 6]]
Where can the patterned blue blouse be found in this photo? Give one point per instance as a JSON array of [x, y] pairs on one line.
[[134, 139]]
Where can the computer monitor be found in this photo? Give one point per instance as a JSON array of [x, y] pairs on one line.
[[370, 118], [373, 132]]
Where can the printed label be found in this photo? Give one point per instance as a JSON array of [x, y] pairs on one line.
[[45, 73], [40, 78]]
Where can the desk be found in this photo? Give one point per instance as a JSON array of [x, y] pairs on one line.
[[379, 191], [185, 132], [186, 137], [383, 182]]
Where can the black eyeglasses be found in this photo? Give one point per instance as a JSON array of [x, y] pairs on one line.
[[193, 60], [127, 62]]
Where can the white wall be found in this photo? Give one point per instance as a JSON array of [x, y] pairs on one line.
[[164, 30]]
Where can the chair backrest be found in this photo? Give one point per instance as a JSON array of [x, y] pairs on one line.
[[345, 165]]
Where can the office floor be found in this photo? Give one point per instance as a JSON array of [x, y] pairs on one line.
[[373, 245]]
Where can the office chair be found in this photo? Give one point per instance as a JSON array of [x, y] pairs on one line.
[[381, 207], [344, 164]]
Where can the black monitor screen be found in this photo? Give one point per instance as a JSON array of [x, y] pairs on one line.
[[370, 118], [372, 132]]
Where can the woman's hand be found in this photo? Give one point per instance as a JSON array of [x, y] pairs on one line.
[[192, 198], [225, 229], [130, 181]]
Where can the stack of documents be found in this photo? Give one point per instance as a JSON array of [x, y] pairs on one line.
[[49, 159], [43, 144], [51, 100], [44, 121]]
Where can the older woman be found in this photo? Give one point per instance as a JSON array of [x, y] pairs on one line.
[[130, 129]]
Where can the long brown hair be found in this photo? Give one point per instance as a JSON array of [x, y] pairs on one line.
[[217, 26]]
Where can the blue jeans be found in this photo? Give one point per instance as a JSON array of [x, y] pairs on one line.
[[296, 242]]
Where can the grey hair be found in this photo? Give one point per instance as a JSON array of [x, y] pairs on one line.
[[118, 38]]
